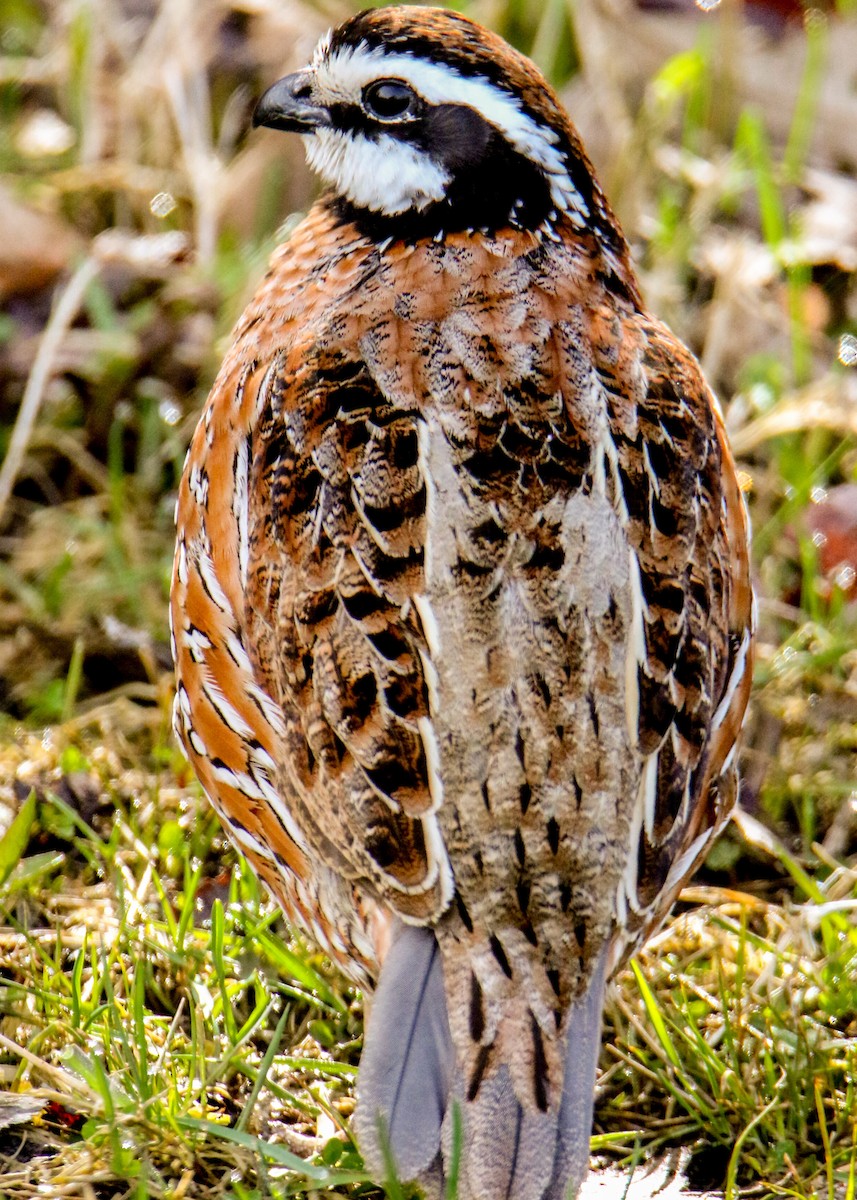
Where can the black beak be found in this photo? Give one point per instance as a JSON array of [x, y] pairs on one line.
[[288, 105]]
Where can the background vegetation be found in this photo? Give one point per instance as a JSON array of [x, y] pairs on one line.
[[162, 1033]]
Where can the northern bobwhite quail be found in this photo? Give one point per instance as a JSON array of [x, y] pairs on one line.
[[461, 605]]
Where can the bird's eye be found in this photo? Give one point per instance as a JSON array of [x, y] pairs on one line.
[[389, 100]]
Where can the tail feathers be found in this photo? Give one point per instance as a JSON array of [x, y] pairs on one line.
[[408, 1087], [408, 1059], [507, 1151], [512, 1152], [574, 1127]]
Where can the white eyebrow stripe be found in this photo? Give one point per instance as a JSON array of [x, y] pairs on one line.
[[322, 49], [344, 74]]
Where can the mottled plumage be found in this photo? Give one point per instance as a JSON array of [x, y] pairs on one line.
[[461, 604]]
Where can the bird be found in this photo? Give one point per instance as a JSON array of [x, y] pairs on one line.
[[461, 607]]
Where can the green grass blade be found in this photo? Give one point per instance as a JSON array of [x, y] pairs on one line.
[[806, 104], [272, 1152], [825, 1138], [217, 938], [455, 1156], [295, 968], [735, 1157], [751, 140], [264, 1067], [655, 1015], [17, 836]]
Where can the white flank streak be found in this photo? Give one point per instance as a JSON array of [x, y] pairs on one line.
[[178, 722], [236, 779], [196, 743], [183, 701], [429, 623], [197, 643], [383, 174], [432, 751], [715, 404], [343, 76], [246, 841], [432, 681], [380, 541], [621, 905], [609, 448], [600, 473], [287, 821], [273, 715], [648, 791], [212, 583], [650, 471], [422, 602], [260, 777], [181, 562], [681, 866], [261, 759], [605, 455], [635, 651], [260, 788], [239, 507], [629, 875], [198, 484], [263, 390], [734, 683], [237, 652], [727, 762], [320, 934], [437, 855], [230, 716]]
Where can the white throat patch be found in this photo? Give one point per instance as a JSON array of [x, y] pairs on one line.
[[382, 174], [391, 176]]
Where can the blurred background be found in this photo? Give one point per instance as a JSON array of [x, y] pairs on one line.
[[137, 210]]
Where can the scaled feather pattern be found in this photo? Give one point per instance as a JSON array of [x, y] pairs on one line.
[[461, 606]]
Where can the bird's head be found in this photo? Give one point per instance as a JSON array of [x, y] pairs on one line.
[[421, 116]]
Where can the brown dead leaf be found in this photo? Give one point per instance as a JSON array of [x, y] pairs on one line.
[[35, 247]]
